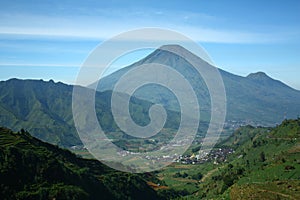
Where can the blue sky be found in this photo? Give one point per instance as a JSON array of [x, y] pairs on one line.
[[51, 39]]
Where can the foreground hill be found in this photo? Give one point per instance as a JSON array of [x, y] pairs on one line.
[[269, 161], [265, 164], [253, 163], [256, 98], [32, 169]]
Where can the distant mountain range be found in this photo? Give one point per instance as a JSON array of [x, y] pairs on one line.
[[44, 108], [256, 98]]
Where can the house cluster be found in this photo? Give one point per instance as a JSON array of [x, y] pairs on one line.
[[234, 124], [216, 155]]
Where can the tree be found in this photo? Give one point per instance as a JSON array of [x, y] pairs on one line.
[[197, 176], [262, 157]]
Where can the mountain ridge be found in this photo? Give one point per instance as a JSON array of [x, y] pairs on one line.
[[45, 110]]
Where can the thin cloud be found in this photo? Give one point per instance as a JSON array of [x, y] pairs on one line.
[[197, 34], [101, 26], [37, 65]]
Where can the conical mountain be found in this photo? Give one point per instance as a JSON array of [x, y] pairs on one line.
[[256, 99]]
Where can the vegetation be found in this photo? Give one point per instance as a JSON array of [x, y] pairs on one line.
[[44, 109], [265, 165], [32, 169]]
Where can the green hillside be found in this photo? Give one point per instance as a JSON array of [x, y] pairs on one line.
[[39, 107], [45, 110], [265, 165], [32, 169]]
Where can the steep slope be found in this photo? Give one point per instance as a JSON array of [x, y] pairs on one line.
[[256, 98], [32, 169], [45, 110], [40, 107], [159, 94], [265, 165]]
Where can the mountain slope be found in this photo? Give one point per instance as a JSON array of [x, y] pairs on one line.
[[255, 98], [45, 110], [32, 169], [39, 107], [265, 164]]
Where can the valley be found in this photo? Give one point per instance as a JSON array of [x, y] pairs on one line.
[[260, 163], [249, 158]]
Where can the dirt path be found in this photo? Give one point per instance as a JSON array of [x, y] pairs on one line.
[[208, 174], [277, 193], [156, 187]]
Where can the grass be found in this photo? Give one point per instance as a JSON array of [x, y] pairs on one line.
[[267, 190], [265, 165]]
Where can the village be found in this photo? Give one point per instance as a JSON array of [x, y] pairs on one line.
[[217, 155]]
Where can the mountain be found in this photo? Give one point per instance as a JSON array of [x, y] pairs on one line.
[[39, 107], [256, 98], [44, 108], [32, 169]]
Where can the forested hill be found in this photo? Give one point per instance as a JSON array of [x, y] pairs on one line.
[[44, 108], [32, 169]]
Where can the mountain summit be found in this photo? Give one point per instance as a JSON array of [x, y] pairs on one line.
[[258, 76], [263, 78]]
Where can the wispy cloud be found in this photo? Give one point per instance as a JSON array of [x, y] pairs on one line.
[[101, 25], [38, 65]]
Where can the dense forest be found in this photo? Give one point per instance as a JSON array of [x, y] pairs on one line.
[[32, 169]]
